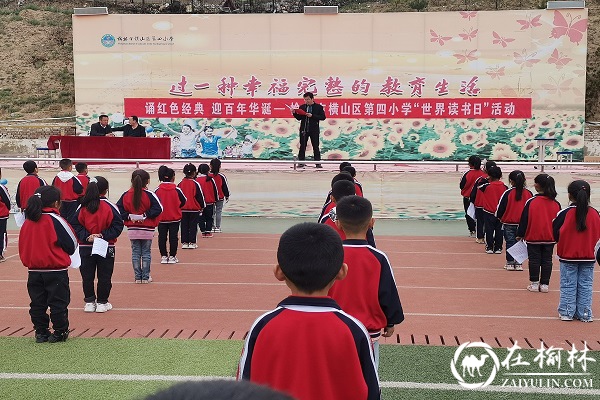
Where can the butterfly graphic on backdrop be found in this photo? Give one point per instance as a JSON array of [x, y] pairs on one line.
[[438, 38], [495, 72], [559, 59], [501, 40], [468, 14], [508, 91], [526, 60], [530, 22], [466, 56], [472, 34], [558, 86], [580, 71], [573, 29]]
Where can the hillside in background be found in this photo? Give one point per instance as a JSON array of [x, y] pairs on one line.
[[36, 56]]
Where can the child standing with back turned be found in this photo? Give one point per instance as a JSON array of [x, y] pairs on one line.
[[577, 230], [172, 199], [308, 347], [466, 186]]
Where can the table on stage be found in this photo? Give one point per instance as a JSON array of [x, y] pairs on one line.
[[111, 147]]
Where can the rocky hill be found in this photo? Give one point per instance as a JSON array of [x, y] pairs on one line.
[[36, 61]]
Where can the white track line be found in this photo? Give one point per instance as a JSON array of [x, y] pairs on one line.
[[384, 384]]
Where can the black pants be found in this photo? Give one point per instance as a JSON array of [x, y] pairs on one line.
[[68, 208], [206, 218], [470, 221], [3, 237], [540, 258], [49, 289], [493, 232], [103, 267], [371, 237], [171, 229], [189, 226], [480, 222], [314, 140]]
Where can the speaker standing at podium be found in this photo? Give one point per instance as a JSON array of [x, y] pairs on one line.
[[309, 115]]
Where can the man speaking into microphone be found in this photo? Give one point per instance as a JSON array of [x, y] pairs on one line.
[[309, 114]]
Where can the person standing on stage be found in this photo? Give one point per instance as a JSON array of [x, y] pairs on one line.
[[101, 128], [309, 115], [133, 129]]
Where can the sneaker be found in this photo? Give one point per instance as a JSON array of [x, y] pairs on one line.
[[489, 251], [534, 287], [2, 259], [208, 235], [185, 246], [544, 288], [565, 318], [472, 234], [300, 166], [498, 251], [318, 166], [480, 241], [58, 336], [89, 307], [217, 230], [518, 267], [42, 336], [103, 307], [193, 246], [138, 281], [147, 280], [173, 260], [509, 267], [164, 260]]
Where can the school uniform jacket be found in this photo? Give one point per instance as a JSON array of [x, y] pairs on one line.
[[572, 244], [68, 184], [193, 193], [209, 189], [329, 220], [311, 349], [4, 203], [27, 187], [172, 199], [476, 198], [106, 220], [491, 195], [535, 225], [509, 208], [369, 290], [46, 245], [150, 207], [327, 206], [358, 188], [222, 187], [468, 181], [84, 180]]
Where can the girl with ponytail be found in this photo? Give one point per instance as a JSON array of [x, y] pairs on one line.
[[576, 230], [140, 209], [97, 219], [209, 188]]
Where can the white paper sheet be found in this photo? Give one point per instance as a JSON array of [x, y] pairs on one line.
[[20, 218], [100, 247], [519, 251], [471, 210], [136, 217], [75, 259]]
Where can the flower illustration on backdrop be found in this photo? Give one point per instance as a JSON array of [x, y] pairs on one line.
[[438, 148], [330, 134], [518, 140], [502, 152], [572, 142], [281, 130], [335, 155]]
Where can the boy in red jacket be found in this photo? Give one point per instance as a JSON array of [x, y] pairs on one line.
[[70, 188], [4, 212], [172, 199], [82, 175], [492, 192], [28, 184]]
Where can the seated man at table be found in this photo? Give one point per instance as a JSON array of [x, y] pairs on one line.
[[101, 128], [133, 129]]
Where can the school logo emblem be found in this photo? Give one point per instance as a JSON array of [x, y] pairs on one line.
[[108, 40], [474, 365]]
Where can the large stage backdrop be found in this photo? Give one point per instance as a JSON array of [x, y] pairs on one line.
[[409, 86]]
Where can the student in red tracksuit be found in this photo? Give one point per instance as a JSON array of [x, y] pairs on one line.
[[193, 205], [535, 227], [308, 347], [509, 212], [28, 185], [369, 291], [222, 191], [140, 209], [466, 187], [352, 171], [4, 213], [478, 203], [209, 188], [46, 242], [339, 190], [70, 188], [577, 231], [492, 192], [172, 199], [328, 205], [97, 218], [82, 174]]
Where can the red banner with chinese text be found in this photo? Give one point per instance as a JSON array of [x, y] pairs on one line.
[[417, 108]]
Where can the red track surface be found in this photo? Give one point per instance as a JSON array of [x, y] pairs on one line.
[[450, 289]]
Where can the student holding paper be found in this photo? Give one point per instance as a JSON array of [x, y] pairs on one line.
[[4, 213], [97, 224]]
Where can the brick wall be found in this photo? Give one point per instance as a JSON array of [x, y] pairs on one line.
[[21, 140], [591, 140]]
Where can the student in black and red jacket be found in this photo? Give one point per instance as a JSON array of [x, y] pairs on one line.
[[191, 210], [97, 218], [4, 213], [70, 188], [172, 200], [535, 227], [466, 187], [577, 230], [46, 242], [477, 201], [28, 184], [222, 191], [209, 188], [492, 192]]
